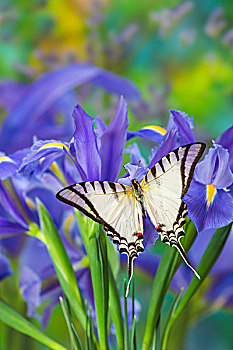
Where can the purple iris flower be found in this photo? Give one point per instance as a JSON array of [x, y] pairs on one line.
[[39, 283], [9, 165], [96, 153], [179, 122], [209, 199], [36, 106]]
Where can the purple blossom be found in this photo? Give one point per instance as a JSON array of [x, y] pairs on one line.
[[38, 282], [10, 164], [104, 148], [210, 189], [37, 105]]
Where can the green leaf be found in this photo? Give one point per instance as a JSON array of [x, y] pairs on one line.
[[133, 345], [61, 264], [13, 319], [95, 244], [208, 260], [74, 338], [88, 228], [126, 328], [173, 308], [169, 263], [115, 310], [133, 334]]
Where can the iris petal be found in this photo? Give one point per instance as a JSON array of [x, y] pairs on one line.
[[167, 146], [214, 169], [184, 129], [85, 143], [113, 142], [217, 213], [204, 171], [226, 140], [150, 132], [223, 177], [9, 165]]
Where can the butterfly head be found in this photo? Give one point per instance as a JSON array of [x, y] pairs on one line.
[[135, 184]]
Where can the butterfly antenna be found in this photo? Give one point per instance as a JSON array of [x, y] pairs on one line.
[[126, 171], [185, 258], [130, 270], [137, 168]]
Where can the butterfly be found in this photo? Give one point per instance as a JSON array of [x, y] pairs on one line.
[[121, 209]]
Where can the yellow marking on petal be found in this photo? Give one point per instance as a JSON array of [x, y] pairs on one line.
[[30, 203], [211, 190], [68, 222], [52, 145], [6, 159], [156, 128], [56, 170]]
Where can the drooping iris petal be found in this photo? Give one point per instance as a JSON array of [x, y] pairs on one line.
[[8, 228], [43, 149], [226, 141], [208, 214], [41, 95], [113, 142], [85, 144], [184, 127], [9, 165], [167, 146], [151, 132], [5, 267]]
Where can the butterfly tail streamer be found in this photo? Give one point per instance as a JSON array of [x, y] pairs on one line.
[[180, 249], [130, 270]]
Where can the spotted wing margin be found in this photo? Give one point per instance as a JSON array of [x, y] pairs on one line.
[[164, 187], [113, 206]]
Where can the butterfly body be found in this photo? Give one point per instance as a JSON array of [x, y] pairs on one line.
[[121, 208], [139, 196]]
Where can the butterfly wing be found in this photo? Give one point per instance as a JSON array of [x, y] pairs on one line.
[[164, 187], [113, 206]]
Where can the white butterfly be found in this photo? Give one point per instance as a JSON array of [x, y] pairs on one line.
[[120, 208]]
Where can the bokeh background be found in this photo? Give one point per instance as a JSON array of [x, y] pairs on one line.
[[179, 54]]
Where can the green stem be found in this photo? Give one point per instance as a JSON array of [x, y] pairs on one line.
[[126, 319], [208, 260], [169, 263]]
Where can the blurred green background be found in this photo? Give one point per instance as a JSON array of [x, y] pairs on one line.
[[179, 54]]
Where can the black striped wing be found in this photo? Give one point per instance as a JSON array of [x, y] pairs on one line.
[[164, 187], [113, 206]]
